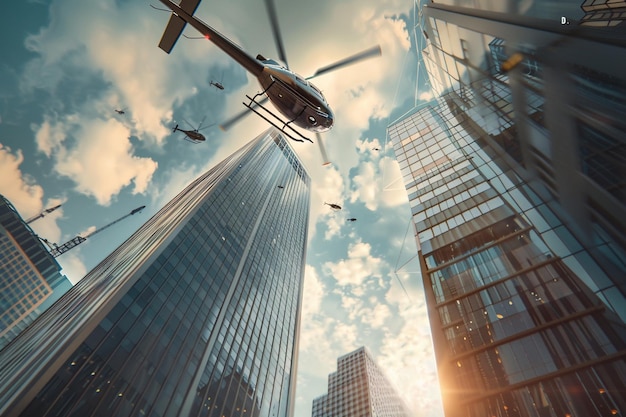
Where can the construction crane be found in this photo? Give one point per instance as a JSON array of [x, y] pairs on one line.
[[43, 213], [58, 250]]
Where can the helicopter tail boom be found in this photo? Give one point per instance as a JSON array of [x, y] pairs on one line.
[[184, 12]]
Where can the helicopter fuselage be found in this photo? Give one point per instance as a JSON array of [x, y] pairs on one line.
[[296, 98], [191, 134], [217, 84]]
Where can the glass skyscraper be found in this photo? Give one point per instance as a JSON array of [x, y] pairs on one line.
[[359, 388], [196, 314], [515, 181], [518, 326], [550, 98], [30, 278]]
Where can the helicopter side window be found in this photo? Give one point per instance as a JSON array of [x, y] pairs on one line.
[[315, 88]]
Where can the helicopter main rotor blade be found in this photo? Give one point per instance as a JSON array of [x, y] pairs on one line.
[[278, 39], [205, 127], [320, 143], [202, 121], [368, 53], [190, 125], [236, 118]]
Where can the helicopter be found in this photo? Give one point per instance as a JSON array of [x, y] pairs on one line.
[[351, 219], [333, 206], [218, 84], [194, 135], [298, 100], [123, 111]]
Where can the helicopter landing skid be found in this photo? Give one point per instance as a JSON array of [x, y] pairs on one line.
[[301, 137]]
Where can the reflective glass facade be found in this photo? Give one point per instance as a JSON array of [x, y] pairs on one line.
[[604, 13], [196, 314], [30, 278], [552, 102], [359, 388], [515, 180], [521, 325]]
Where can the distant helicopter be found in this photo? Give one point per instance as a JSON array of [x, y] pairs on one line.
[[333, 206], [193, 136], [123, 111], [298, 100], [351, 219], [218, 84], [376, 149]]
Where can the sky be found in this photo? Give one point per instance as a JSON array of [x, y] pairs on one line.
[[68, 64]]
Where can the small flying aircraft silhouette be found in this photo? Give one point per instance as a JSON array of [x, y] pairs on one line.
[[194, 135]]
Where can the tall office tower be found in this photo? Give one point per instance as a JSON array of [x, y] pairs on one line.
[[359, 388], [30, 278], [515, 180], [196, 314], [519, 324], [516, 304]]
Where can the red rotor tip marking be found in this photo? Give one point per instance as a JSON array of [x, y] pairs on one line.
[[206, 37]]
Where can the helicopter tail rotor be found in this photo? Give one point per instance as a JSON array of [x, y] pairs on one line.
[[320, 143], [175, 128]]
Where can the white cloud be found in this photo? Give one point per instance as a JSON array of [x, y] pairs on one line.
[[49, 135], [73, 267], [87, 231], [426, 96], [21, 190], [359, 266], [375, 317], [329, 188], [373, 185], [368, 147], [118, 42], [411, 349], [351, 303], [346, 336], [313, 293], [102, 162]]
